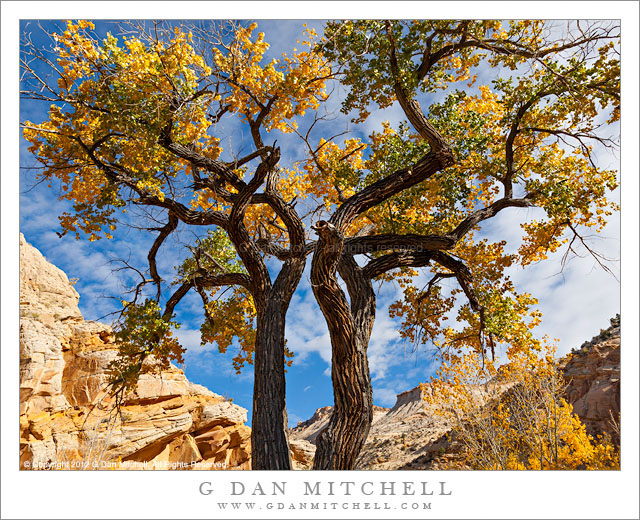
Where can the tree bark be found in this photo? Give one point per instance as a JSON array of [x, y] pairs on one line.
[[350, 329], [269, 447], [269, 432], [340, 443]]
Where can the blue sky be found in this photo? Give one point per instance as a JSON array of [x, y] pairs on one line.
[[576, 303]]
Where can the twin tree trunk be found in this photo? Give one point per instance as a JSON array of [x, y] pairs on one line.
[[341, 441], [350, 329]]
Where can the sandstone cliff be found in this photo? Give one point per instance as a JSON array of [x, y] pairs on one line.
[[592, 374], [67, 421], [405, 436]]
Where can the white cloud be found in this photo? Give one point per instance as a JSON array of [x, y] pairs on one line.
[[576, 301], [384, 396], [306, 329], [190, 339]]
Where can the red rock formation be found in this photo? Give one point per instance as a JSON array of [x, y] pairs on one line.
[[592, 374]]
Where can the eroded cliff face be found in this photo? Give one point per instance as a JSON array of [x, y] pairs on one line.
[[592, 374], [407, 436], [68, 421]]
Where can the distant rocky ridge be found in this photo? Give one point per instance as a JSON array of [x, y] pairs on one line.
[[401, 437], [66, 420], [312, 427], [410, 437]]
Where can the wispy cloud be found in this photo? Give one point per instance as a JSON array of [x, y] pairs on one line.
[[385, 396]]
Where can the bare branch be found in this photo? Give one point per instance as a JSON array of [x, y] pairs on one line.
[[488, 212], [164, 233]]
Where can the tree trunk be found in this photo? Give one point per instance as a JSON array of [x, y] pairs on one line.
[[269, 447], [341, 441], [269, 432]]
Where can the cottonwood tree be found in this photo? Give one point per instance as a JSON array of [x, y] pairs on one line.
[[132, 123], [524, 140]]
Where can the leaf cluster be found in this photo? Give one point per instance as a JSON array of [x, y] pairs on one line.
[[143, 335]]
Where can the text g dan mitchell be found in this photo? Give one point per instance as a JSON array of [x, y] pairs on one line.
[[327, 488]]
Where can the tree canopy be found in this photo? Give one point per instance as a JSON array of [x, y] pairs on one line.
[[525, 140]]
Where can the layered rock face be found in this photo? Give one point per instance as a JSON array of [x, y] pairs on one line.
[[401, 434], [407, 436], [302, 438], [592, 374], [67, 420]]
